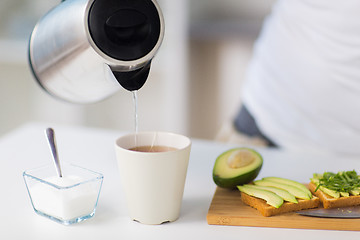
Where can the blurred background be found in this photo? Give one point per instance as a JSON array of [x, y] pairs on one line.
[[194, 85]]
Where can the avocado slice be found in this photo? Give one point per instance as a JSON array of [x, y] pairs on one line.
[[280, 192], [236, 166], [355, 192], [332, 193], [270, 197], [297, 192], [290, 182], [344, 194]]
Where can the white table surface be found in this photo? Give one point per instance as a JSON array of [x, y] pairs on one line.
[[26, 148]]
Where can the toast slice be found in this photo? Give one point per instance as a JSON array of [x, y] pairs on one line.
[[330, 202], [266, 210]]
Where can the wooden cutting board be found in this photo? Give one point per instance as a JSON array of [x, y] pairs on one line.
[[227, 209]]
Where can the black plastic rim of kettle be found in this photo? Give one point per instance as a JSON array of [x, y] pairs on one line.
[[124, 30]]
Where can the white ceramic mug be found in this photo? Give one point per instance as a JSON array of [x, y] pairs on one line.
[[153, 181]]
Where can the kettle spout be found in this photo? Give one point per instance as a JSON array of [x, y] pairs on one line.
[[133, 80]]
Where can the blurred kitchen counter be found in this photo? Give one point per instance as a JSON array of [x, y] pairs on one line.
[[93, 148]]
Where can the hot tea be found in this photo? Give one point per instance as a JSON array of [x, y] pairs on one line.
[[153, 149], [153, 172]]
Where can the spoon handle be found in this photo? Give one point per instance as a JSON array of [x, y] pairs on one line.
[[50, 134]]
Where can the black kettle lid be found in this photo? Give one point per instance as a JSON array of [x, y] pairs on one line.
[[124, 29]]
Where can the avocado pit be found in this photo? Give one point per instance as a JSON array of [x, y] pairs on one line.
[[240, 158]]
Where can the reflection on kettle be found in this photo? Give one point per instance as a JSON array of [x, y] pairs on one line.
[[83, 51]]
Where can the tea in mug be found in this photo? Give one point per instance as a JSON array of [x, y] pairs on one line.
[[153, 149]]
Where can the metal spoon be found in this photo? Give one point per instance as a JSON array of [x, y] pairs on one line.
[[50, 134]]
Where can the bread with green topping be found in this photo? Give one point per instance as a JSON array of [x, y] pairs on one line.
[[340, 189], [331, 202]]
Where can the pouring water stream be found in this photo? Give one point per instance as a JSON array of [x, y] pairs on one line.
[[136, 120]]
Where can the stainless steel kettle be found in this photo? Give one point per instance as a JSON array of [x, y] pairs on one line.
[[83, 51]]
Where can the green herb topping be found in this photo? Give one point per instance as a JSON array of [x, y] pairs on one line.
[[344, 182]]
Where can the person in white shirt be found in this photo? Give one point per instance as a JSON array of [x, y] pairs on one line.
[[303, 84]]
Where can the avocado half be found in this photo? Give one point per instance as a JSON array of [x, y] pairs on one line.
[[236, 167]]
